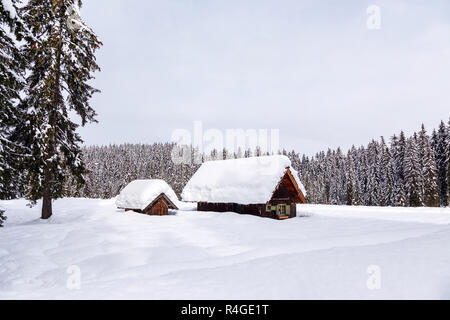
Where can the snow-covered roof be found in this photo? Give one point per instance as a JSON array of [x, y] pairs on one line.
[[245, 181], [138, 194]]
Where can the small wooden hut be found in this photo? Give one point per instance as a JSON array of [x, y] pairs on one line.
[[152, 197], [263, 186]]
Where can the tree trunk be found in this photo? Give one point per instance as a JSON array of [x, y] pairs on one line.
[[47, 195], [46, 204]]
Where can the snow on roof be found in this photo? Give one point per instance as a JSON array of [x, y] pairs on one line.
[[245, 181], [138, 194]]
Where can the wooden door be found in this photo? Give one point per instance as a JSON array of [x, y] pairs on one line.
[[159, 209]]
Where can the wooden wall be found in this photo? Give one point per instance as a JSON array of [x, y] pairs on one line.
[[160, 208]]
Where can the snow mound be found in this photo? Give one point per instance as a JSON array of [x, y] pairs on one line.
[[206, 255], [138, 194], [245, 181]]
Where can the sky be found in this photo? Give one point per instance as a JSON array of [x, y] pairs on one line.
[[312, 69]]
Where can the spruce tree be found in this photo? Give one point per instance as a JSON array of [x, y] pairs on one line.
[[398, 147], [357, 198], [430, 180], [434, 142], [448, 162], [441, 150], [11, 82], [341, 177], [413, 174], [429, 171], [399, 195], [363, 176], [388, 183], [421, 144], [2, 216], [401, 153], [373, 179], [61, 60], [352, 190]]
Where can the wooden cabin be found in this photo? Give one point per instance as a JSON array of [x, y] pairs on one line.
[[262, 186], [151, 197], [158, 207]]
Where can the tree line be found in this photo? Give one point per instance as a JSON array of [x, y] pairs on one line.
[[406, 171], [47, 59]]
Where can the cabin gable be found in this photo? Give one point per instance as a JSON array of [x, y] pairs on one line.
[[288, 190], [159, 206], [163, 200]]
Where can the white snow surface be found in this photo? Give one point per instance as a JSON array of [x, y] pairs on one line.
[[328, 253], [245, 180], [138, 194], [8, 5]]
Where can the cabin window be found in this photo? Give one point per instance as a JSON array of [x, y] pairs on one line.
[[268, 207], [282, 209]]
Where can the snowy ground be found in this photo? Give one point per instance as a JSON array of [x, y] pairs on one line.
[[197, 255]]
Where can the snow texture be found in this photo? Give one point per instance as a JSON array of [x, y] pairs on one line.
[[8, 5], [245, 181], [138, 194], [208, 255]]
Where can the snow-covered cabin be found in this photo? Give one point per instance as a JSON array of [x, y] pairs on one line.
[[153, 197], [265, 186]]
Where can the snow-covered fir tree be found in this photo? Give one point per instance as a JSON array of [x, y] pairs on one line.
[[363, 173], [61, 58], [429, 170], [398, 146], [373, 179], [441, 149], [350, 178], [357, 198], [2, 217], [388, 173], [11, 82], [12, 67], [413, 174], [448, 162]]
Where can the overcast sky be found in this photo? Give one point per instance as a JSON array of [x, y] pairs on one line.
[[309, 68]]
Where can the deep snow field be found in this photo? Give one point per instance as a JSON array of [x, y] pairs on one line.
[[328, 253]]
